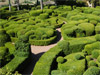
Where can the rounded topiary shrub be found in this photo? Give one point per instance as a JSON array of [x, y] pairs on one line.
[[98, 59], [60, 59], [78, 56], [95, 53], [93, 22], [92, 71], [44, 16], [35, 13], [92, 63], [97, 37]]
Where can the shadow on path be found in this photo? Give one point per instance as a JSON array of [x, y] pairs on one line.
[[29, 68], [58, 37]]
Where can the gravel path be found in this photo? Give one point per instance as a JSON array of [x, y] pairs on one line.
[[37, 51]]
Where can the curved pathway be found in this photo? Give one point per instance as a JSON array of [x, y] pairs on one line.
[[37, 51]]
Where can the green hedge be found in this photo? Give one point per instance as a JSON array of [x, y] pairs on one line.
[[4, 37], [43, 66], [42, 42], [92, 71], [10, 46], [77, 45], [14, 65], [97, 29], [44, 16], [4, 56], [90, 47], [35, 12]]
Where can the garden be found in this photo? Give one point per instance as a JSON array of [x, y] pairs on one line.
[[77, 54]]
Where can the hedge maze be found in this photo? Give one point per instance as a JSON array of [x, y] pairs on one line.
[[77, 54]]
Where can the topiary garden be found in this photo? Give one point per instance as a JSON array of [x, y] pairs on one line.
[[77, 54]]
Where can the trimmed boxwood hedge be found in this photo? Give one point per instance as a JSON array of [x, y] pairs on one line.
[[43, 66], [42, 42]]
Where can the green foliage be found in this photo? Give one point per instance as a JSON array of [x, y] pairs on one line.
[[4, 56], [92, 71], [95, 53], [78, 56], [93, 22], [92, 63], [43, 66], [10, 46], [87, 27], [41, 42], [60, 59], [11, 33], [97, 29], [22, 47], [98, 59], [64, 45], [90, 47], [88, 58], [57, 72], [97, 37], [3, 37], [35, 13], [53, 7], [44, 16], [18, 63]]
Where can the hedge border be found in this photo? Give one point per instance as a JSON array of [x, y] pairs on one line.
[[42, 42]]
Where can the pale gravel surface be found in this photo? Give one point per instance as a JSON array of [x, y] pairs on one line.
[[37, 51]]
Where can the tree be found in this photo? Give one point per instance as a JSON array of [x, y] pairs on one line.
[[9, 5], [17, 4], [41, 3]]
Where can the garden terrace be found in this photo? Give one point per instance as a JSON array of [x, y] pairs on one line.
[[21, 31]]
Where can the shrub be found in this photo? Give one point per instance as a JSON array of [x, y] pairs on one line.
[[98, 59], [88, 11], [92, 63], [4, 56], [44, 42], [60, 59], [92, 71], [64, 45], [3, 37], [97, 37], [77, 17], [35, 13], [43, 66], [78, 56], [31, 32], [57, 72], [95, 53], [49, 11], [22, 48], [93, 22], [44, 16], [53, 7], [90, 47], [11, 33], [88, 58], [97, 29], [87, 27], [10, 46], [96, 13]]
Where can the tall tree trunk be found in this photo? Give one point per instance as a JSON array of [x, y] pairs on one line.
[[41, 3], [17, 4], [55, 2], [9, 5], [37, 2]]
